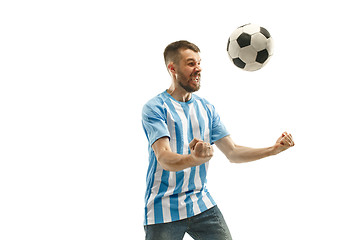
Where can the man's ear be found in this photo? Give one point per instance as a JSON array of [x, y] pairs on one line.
[[171, 67]]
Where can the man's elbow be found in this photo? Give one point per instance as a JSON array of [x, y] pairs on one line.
[[234, 159], [231, 160], [169, 166]]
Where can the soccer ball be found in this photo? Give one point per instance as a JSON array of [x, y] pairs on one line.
[[250, 47]]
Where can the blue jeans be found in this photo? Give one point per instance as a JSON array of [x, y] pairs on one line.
[[209, 225]]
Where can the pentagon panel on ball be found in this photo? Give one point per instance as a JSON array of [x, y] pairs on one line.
[[250, 47]]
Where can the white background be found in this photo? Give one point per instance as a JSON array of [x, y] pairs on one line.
[[75, 75]]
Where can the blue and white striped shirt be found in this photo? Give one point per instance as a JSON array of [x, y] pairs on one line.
[[172, 196]]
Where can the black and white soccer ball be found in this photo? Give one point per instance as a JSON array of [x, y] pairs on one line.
[[250, 47]]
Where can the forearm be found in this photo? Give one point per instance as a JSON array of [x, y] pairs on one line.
[[201, 152], [241, 154], [176, 162]]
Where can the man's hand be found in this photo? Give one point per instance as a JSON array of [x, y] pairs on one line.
[[284, 142], [201, 151]]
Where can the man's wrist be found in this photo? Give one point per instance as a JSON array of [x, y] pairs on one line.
[[273, 150]]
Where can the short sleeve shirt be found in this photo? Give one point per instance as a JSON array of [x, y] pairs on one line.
[[172, 196]]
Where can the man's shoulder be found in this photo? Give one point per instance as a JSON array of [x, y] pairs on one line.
[[158, 100], [155, 105]]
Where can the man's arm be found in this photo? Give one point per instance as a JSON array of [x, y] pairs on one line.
[[240, 154], [201, 152]]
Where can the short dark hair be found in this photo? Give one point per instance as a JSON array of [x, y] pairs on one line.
[[172, 54]]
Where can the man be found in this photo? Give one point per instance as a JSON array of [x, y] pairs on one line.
[[181, 128]]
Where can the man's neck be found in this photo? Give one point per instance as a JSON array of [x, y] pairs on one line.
[[179, 94]]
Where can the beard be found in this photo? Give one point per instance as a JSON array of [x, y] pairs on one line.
[[185, 82]]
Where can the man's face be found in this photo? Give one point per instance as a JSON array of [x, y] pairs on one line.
[[188, 70]]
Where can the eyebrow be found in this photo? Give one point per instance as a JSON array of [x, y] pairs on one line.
[[192, 59]]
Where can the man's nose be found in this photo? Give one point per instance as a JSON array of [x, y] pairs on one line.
[[198, 68]]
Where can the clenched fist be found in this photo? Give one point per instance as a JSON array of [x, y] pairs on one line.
[[200, 150], [284, 142]]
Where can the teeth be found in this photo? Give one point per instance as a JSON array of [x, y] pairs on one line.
[[196, 78]]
